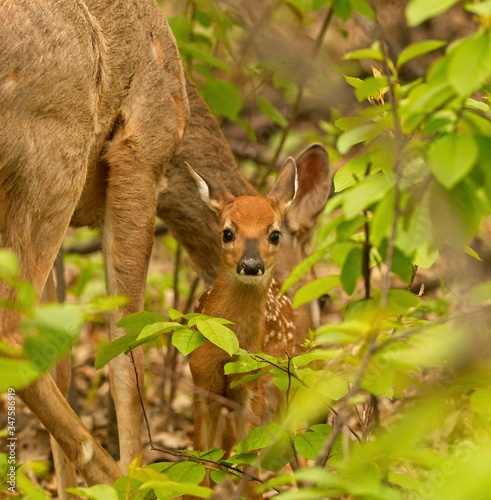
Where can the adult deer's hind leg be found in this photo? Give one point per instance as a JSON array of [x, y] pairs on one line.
[[66, 476], [37, 215]]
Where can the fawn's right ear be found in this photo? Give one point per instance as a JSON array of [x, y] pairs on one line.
[[214, 196]]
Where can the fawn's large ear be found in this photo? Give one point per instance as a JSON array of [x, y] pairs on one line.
[[314, 186], [285, 187], [214, 196]]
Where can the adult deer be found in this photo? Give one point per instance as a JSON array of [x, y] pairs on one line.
[[93, 106], [243, 293]]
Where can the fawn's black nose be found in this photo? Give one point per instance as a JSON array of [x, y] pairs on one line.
[[251, 267]]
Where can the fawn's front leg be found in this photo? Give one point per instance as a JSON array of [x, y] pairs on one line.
[[250, 398]]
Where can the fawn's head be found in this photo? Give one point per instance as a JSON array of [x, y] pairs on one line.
[[250, 225]]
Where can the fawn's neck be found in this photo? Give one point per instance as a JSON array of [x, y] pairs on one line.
[[243, 304]]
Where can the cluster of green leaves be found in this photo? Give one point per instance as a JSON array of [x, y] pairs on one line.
[[49, 330], [415, 181]]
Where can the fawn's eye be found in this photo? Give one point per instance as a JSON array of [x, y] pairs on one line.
[[274, 237], [227, 236]]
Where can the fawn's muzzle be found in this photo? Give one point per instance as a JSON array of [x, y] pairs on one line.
[[251, 267], [251, 264]]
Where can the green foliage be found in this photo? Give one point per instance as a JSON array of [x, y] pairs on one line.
[[146, 327], [22, 480], [414, 181], [392, 401], [49, 330]]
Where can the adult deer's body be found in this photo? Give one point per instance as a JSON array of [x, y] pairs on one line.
[[250, 234], [93, 106]]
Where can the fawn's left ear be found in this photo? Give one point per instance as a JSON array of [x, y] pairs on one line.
[[213, 195], [286, 185]]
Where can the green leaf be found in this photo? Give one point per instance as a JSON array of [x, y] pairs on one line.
[[170, 489], [372, 87], [301, 269], [314, 289], [347, 123], [400, 301], [470, 64], [181, 28], [17, 373], [351, 270], [482, 9], [8, 263], [480, 293], [420, 10], [364, 8], [275, 443], [353, 81], [367, 192], [113, 349], [478, 105], [186, 472], [219, 335], [136, 322], [342, 9], [50, 333], [96, 492], [423, 100], [204, 56], [480, 401], [374, 52], [186, 340], [310, 444], [218, 475], [418, 49], [272, 112], [259, 438], [354, 136], [452, 157], [215, 454], [244, 364], [223, 97], [351, 173], [154, 330], [174, 314], [382, 219]]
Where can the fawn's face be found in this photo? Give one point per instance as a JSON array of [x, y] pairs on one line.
[[250, 237]]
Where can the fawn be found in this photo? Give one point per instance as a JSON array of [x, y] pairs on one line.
[[245, 293]]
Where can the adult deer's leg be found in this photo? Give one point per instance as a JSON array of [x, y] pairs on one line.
[[37, 215], [128, 239], [66, 476]]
